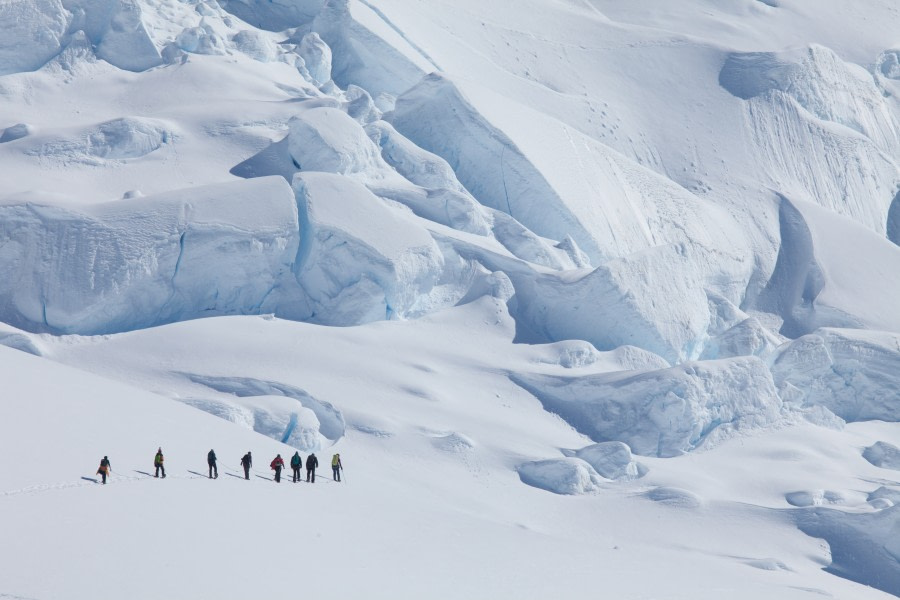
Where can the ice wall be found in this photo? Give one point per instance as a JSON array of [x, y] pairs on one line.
[[135, 263]]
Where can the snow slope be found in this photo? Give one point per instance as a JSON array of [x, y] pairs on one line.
[[535, 269]]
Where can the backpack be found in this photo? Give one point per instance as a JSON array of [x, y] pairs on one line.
[[296, 460]]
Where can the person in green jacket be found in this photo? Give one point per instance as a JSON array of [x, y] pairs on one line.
[[158, 463], [336, 467], [296, 463]]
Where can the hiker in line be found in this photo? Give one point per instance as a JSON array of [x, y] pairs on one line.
[[277, 465], [211, 461], [336, 466], [296, 463], [311, 463], [247, 462], [158, 463], [104, 469]]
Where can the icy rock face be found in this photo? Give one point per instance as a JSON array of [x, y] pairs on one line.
[[823, 126], [122, 40], [667, 412], [200, 40], [125, 265], [419, 166], [568, 476], [327, 139], [612, 460], [618, 303], [317, 56], [852, 373], [360, 261], [33, 33], [884, 455], [255, 45]]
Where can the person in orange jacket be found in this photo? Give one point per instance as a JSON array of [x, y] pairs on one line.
[[104, 469], [277, 465]]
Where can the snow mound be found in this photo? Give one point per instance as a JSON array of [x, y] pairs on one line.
[[361, 261], [852, 373], [569, 476], [16, 132], [119, 139], [612, 460], [666, 412], [884, 455], [887, 496], [814, 498], [129, 264], [675, 497], [19, 340], [316, 56]]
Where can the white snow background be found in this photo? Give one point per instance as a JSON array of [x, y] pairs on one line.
[[595, 298]]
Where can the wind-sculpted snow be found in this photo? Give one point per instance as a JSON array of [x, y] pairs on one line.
[[884, 455], [268, 406], [864, 547], [33, 33], [816, 283], [853, 373], [135, 263], [665, 412], [119, 139]]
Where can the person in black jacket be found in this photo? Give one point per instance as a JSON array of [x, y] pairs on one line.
[[211, 461], [247, 462], [311, 463]]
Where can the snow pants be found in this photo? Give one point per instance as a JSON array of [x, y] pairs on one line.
[[277, 474], [337, 473], [159, 468], [246, 471], [310, 476], [296, 474], [213, 469]]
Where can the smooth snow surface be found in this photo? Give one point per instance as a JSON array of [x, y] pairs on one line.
[[593, 297]]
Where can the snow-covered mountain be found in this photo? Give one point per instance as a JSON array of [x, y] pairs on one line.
[[593, 297]]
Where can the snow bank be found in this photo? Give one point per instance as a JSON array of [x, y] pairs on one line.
[[884, 455], [666, 412], [852, 373], [361, 261], [560, 475], [136, 263]]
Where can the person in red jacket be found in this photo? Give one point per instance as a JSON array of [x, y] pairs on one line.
[[277, 465]]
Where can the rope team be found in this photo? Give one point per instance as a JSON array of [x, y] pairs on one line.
[[277, 464]]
